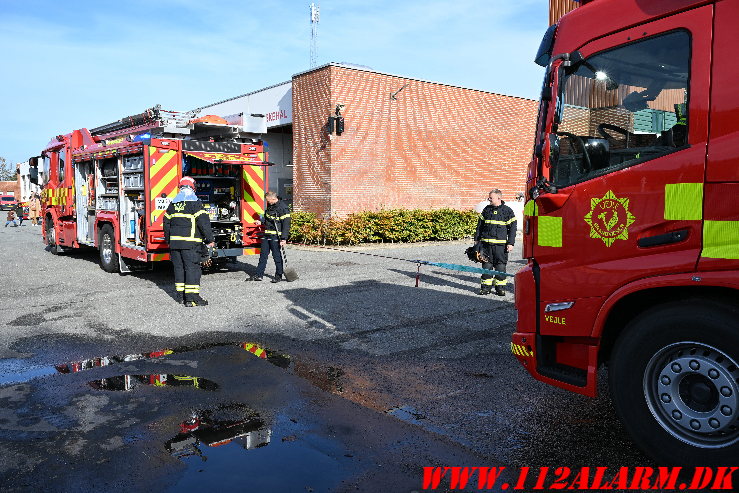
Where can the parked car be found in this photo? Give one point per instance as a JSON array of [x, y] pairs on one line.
[[8, 202]]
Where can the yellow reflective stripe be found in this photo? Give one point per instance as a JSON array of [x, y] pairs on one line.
[[199, 213], [185, 238], [167, 178], [276, 218], [492, 240], [167, 216], [501, 223], [530, 208], [521, 350], [721, 239], [181, 214], [549, 231], [499, 282], [684, 201], [486, 282], [270, 232]]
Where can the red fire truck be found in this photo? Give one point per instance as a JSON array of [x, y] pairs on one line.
[[108, 187], [631, 227]]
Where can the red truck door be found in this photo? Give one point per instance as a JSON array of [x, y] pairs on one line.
[[632, 146]]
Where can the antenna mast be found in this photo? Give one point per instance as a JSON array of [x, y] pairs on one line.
[[314, 18]]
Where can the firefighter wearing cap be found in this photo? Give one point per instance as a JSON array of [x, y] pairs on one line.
[[496, 232], [186, 228]]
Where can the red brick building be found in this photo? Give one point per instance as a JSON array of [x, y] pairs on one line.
[[407, 143], [11, 188]]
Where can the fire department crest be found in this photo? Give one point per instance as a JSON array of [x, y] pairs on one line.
[[609, 218]]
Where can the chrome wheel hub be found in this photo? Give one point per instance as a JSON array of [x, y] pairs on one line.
[[106, 249], [691, 389]]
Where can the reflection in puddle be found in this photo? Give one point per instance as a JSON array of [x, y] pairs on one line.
[[22, 370], [232, 423], [277, 359], [232, 447], [128, 382]]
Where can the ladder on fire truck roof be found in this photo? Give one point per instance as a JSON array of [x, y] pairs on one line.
[[154, 116]]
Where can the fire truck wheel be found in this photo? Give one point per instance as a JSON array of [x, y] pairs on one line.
[[674, 375], [108, 257], [50, 235]]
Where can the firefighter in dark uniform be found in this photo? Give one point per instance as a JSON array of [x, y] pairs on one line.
[[496, 232], [186, 228], [276, 233]]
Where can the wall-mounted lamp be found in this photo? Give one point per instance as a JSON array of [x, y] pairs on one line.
[[336, 123]]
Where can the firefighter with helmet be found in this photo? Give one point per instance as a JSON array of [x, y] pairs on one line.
[[496, 233], [186, 228]]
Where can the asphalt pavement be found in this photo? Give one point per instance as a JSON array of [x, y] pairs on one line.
[[383, 377]]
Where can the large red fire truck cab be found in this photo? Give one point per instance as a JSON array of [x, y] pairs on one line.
[[108, 187], [631, 227]]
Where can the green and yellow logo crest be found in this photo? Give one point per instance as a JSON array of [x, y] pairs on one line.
[[609, 218]]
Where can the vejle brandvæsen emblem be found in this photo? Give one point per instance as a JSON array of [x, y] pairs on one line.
[[609, 218]]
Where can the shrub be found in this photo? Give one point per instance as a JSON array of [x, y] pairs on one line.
[[392, 225]]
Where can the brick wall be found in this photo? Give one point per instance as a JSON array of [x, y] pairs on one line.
[[311, 143], [430, 146], [11, 186]]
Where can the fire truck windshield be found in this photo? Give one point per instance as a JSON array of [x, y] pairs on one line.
[[621, 107]]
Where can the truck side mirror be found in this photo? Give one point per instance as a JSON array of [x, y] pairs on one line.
[[553, 149], [33, 169]]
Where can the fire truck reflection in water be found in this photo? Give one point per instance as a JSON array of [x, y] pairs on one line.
[[86, 364], [232, 423], [128, 382]]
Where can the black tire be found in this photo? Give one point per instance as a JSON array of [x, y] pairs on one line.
[[674, 375], [51, 235], [106, 246]]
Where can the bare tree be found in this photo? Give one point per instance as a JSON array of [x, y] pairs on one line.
[[8, 172]]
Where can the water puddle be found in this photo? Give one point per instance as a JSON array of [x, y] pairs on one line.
[[410, 415], [232, 447], [17, 370]]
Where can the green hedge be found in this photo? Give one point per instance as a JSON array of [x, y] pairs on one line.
[[392, 226]]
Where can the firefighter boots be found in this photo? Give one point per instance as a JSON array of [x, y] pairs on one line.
[[485, 290], [195, 300], [254, 278], [499, 291], [277, 279]]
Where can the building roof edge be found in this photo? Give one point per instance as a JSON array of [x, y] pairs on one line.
[[363, 69], [247, 94]]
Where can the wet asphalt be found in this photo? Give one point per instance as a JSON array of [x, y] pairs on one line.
[[369, 378]]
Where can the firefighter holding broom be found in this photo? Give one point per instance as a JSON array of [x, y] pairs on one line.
[[276, 233]]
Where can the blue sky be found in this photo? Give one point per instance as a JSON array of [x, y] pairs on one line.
[[78, 63]]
